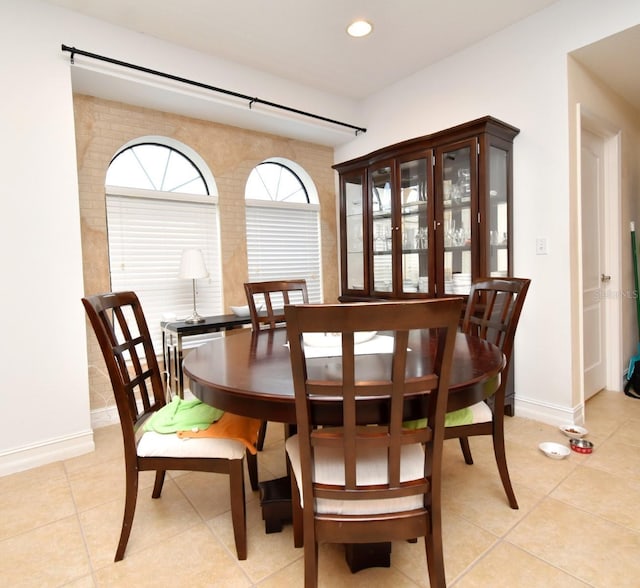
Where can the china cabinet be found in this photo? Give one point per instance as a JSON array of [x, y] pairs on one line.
[[425, 217]]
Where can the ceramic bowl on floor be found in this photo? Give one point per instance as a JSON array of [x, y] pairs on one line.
[[554, 450], [574, 431]]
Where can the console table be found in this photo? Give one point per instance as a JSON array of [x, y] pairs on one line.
[[172, 345]]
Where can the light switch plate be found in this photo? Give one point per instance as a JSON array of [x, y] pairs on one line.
[[541, 246]]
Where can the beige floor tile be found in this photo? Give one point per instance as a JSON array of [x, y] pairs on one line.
[[603, 494], [51, 555], [531, 468], [507, 566], [528, 432], [193, 558], [84, 582], [154, 521], [606, 411], [586, 546], [104, 482], [615, 457], [209, 493], [479, 498], [628, 432], [266, 553], [108, 443], [463, 544], [34, 498]]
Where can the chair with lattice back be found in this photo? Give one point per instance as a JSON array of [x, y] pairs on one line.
[[266, 302], [380, 482], [123, 335], [492, 313]]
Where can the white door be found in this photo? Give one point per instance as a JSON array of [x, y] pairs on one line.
[[594, 274]]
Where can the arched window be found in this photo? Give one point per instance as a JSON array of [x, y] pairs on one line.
[[161, 199], [283, 227]]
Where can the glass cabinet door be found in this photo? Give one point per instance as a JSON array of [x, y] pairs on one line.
[[354, 212], [414, 225], [498, 213], [458, 171], [381, 188]]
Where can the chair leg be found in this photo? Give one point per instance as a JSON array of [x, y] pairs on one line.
[[466, 450], [252, 467], [238, 506], [262, 433], [131, 496], [310, 561], [501, 461], [435, 553], [296, 512], [157, 486]]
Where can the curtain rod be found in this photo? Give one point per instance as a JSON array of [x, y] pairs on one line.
[[252, 100]]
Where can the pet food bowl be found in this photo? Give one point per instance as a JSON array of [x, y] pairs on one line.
[[581, 445], [554, 450], [574, 431]]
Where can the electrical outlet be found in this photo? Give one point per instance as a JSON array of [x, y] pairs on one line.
[[541, 246]]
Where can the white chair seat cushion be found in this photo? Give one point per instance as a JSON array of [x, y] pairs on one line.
[[153, 444], [371, 469], [481, 413]]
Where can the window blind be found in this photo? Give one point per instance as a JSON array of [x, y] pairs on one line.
[[283, 243], [146, 238]]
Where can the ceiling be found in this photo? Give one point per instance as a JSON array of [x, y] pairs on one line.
[[305, 41], [616, 61]]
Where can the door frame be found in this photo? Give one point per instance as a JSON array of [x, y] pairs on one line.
[[612, 234]]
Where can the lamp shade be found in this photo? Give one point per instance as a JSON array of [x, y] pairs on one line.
[[192, 265]]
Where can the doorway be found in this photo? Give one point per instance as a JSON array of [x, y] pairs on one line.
[[600, 241]]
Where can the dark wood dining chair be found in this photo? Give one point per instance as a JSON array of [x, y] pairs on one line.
[[492, 312], [381, 482], [266, 302], [122, 332]]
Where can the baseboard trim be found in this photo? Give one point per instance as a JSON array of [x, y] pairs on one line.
[[552, 414], [26, 458]]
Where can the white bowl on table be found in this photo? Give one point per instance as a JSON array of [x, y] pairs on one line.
[[243, 311]]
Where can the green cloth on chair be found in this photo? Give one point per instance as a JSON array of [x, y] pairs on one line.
[[464, 416], [182, 415]]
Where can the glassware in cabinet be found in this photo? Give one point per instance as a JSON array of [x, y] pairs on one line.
[[354, 236]]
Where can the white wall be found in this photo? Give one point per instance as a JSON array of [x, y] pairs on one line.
[[44, 398], [520, 76]]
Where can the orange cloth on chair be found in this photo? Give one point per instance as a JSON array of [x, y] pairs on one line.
[[230, 426]]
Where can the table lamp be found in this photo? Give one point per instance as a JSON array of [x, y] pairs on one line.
[[192, 267]]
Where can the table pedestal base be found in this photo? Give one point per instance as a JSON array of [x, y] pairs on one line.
[[275, 500], [360, 556]]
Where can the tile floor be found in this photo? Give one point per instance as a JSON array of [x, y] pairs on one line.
[[578, 523]]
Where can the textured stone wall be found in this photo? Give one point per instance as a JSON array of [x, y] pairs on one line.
[[103, 127]]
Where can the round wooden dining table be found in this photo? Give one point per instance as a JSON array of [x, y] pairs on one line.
[[249, 373]]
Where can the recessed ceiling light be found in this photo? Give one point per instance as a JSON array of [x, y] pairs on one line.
[[359, 28]]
